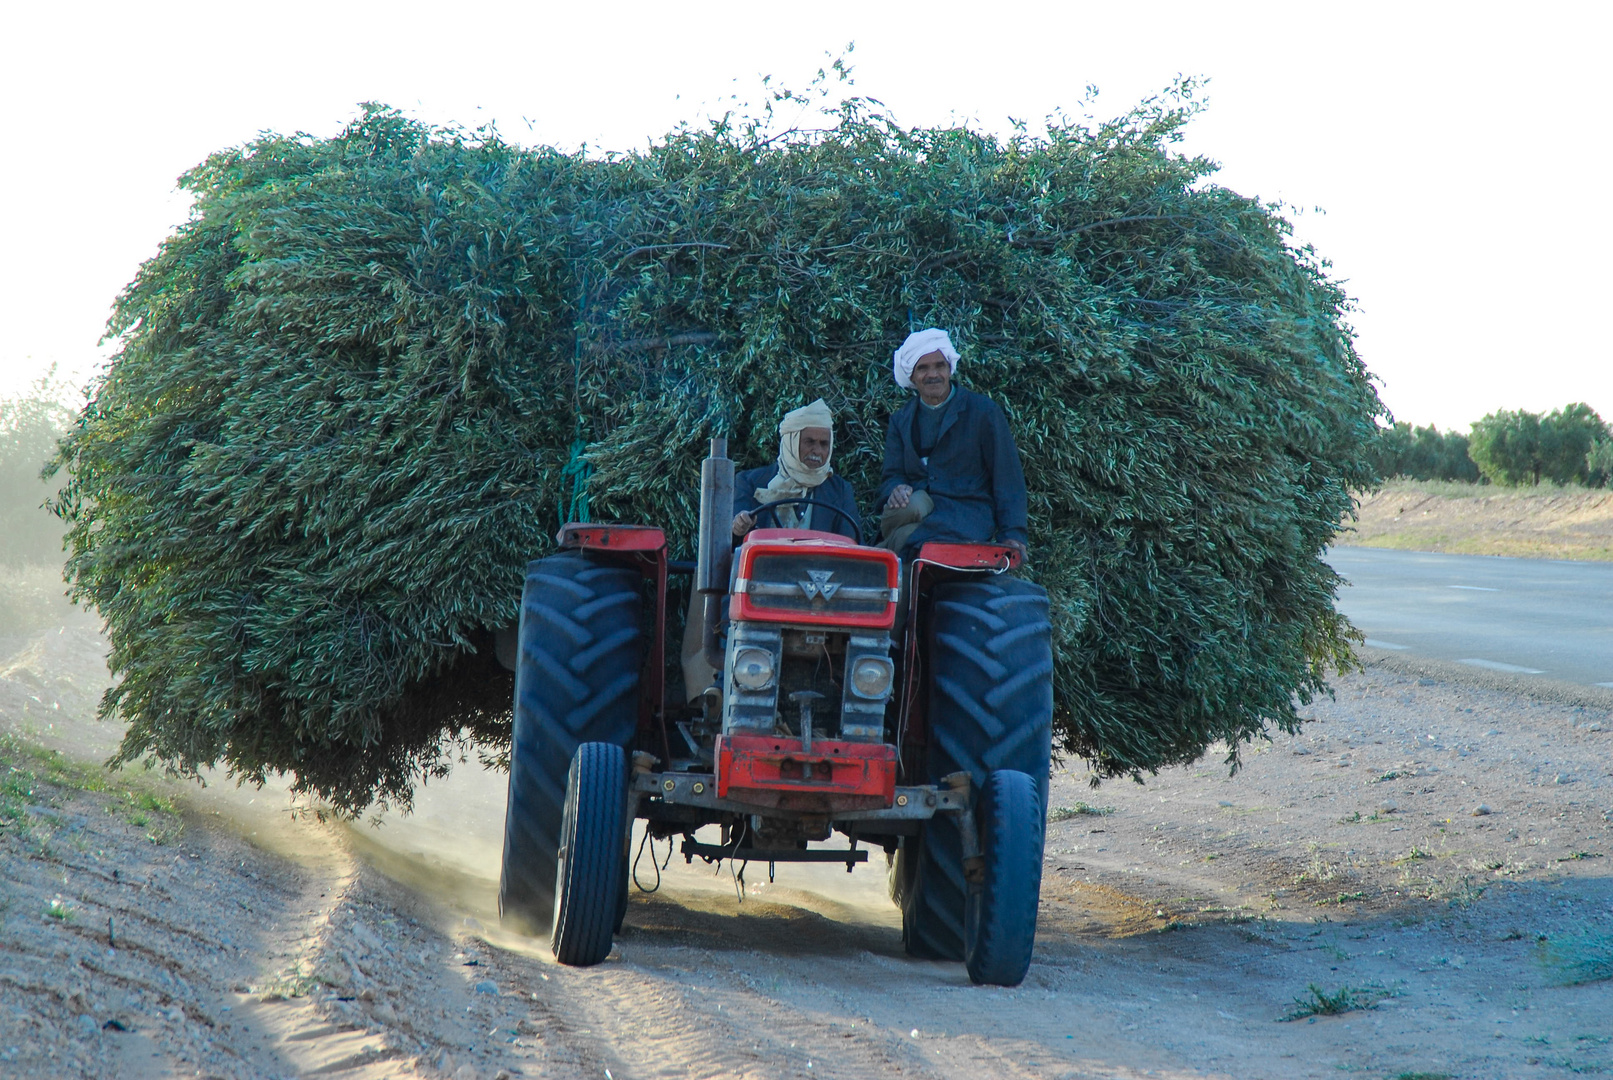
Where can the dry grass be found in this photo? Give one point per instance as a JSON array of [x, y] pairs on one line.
[[1545, 522]]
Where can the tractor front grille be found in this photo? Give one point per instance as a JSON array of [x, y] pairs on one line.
[[818, 585]]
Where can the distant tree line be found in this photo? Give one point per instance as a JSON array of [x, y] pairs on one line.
[[1511, 447], [1424, 453]]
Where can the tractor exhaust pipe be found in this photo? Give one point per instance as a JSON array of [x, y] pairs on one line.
[[716, 544]]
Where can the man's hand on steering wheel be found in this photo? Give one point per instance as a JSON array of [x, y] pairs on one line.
[[771, 510]]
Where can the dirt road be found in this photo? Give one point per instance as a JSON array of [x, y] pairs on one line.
[[1181, 920]]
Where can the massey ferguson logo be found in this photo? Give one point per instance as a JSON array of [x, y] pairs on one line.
[[820, 585]]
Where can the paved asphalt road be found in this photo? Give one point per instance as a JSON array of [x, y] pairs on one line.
[[1543, 617]]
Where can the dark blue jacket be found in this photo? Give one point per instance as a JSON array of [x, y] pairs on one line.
[[973, 475], [835, 491]]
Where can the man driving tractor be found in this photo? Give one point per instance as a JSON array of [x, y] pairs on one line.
[[801, 471]]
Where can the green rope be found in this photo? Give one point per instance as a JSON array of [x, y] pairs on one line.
[[575, 507]]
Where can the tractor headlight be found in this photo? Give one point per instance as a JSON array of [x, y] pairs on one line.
[[871, 676], [753, 669]]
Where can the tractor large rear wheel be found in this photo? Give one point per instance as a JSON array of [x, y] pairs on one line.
[[989, 653], [576, 681]]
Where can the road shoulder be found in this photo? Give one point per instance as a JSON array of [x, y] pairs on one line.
[[1458, 674]]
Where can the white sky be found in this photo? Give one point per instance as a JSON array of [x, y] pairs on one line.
[[1460, 152]]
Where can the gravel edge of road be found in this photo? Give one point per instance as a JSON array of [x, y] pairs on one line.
[[1553, 690]]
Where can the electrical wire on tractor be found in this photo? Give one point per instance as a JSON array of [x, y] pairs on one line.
[[926, 736]]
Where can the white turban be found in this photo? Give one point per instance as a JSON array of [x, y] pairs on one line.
[[917, 347], [794, 479]]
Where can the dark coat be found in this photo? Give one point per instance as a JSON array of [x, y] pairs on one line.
[[835, 491], [973, 474]]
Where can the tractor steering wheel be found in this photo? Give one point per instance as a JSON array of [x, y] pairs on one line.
[[770, 508]]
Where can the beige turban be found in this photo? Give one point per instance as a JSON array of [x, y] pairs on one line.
[[917, 346], [795, 480]]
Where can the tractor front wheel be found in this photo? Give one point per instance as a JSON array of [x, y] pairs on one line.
[[1000, 913], [593, 833]]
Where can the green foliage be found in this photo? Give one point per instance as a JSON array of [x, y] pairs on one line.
[[342, 414], [29, 428], [1318, 1002], [1506, 447], [1568, 436], [1424, 454], [1520, 447], [1599, 463]]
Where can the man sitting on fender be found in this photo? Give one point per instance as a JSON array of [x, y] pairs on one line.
[[951, 469]]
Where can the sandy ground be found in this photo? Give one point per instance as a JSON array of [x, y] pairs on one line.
[[1182, 919], [1467, 519]]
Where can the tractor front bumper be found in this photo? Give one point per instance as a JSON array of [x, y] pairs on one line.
[[700, 790]]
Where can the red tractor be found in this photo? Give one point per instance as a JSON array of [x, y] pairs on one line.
[[926, 735]]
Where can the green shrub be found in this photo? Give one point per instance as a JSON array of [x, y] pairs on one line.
[[1318, 1002], [343, 413], [1599, 463]]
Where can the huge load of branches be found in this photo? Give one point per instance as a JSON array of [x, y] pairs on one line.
[[360, 388]]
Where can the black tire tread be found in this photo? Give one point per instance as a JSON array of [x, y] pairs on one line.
[[1002, 909], [990, 657], [580, 650], [590, 879]]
